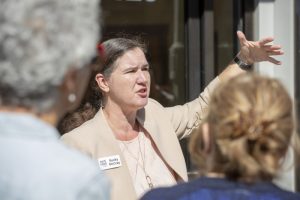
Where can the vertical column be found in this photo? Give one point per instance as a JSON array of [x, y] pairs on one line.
[[208, 42], [176, 56], [285, 31], [264, 26], [276, 18], [192, 28]]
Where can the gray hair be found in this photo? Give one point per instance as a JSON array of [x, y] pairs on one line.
[[39, 41]]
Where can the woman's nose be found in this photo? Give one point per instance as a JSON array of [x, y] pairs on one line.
[[142, 77]]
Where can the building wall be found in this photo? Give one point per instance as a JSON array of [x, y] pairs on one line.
[[276, 18]]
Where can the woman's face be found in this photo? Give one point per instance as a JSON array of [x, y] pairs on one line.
[[129, 83]]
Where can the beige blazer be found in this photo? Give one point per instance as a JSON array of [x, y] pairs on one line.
[[165, 125]]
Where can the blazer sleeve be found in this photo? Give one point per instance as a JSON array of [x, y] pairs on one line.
[[185, 118]]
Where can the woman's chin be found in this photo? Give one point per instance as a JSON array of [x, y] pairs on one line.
[[142, 103]]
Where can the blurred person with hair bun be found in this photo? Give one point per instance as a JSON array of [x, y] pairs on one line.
[[45, 48], [241, 144]]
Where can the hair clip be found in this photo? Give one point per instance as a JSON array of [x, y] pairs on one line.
[[101, 51]]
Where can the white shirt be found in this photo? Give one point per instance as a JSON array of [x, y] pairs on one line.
[[142, 161]]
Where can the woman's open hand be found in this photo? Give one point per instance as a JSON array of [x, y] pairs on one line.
[[258, 51]]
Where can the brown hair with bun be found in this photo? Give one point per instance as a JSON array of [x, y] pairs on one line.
[[250, 123]]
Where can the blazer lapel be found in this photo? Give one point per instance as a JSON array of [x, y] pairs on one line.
[[107, 145], [164, 138]]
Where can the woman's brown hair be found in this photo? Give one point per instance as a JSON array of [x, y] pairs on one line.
[[108, 53]]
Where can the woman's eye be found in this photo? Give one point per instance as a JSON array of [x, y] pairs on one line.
[[130, 71]]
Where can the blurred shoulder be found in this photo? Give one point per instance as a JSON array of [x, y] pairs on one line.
[[178, 192]]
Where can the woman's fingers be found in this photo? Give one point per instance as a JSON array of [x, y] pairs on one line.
[[242, 38], [273, 60], [271, 47], [275, 53], [265, 40]]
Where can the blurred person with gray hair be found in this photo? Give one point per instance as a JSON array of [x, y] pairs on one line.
[[45, 48]]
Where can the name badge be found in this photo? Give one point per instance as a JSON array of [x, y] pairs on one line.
[[109, 162]]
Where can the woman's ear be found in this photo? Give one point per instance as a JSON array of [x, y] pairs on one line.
[[207, 138], [102, 82]]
